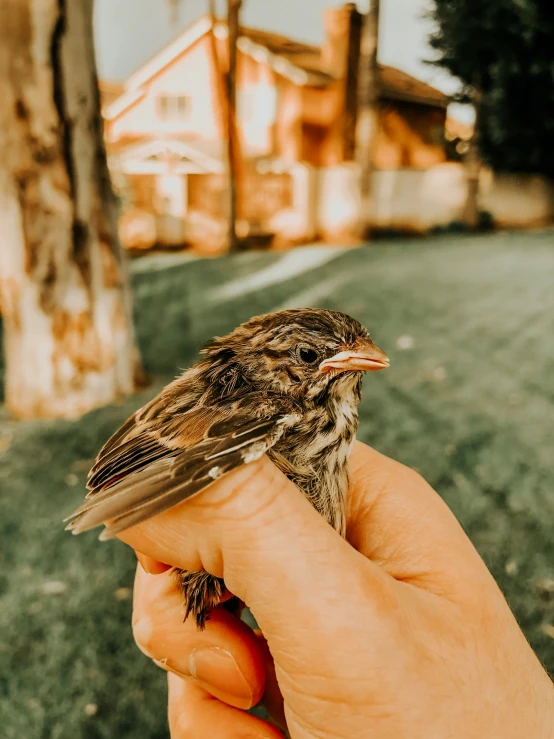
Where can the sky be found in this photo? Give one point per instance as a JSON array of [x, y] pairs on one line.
[[127, 32]]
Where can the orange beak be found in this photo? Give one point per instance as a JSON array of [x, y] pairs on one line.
[[365, 357]]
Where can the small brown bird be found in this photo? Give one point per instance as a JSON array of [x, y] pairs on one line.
[[287, 384]]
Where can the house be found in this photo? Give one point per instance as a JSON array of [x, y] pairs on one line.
[[296, 116]]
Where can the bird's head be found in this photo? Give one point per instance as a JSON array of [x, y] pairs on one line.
[[304, 353]]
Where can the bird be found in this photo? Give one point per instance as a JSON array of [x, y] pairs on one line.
[[286, 384]]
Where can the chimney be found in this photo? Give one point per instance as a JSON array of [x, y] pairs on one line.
[[342, 32], [340, 56]]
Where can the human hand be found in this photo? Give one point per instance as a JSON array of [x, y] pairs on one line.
[[400, 633]]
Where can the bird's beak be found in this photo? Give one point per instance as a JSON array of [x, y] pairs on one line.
[[365, 357]]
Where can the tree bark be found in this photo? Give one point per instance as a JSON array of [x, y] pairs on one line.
[[233, 144], [69, 341], [367, 126], [221, 107]]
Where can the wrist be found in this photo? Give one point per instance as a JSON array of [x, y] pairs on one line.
[[542, 721]]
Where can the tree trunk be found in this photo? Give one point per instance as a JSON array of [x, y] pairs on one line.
[[233, 150], [222, 111], [367, 126], [473, 171], [219, 74], [69, 342]]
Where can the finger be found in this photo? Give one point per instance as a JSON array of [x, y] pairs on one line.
[[192, 712], [226, 658], [150, 565], [303, 582], [298, 576], [153, 567], [276, 552], [273, 698], [399, 522]]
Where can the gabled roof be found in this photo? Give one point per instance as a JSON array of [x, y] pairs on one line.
[[303, 58], [165, 56], [109, 91], [299, 62], [207, 156]]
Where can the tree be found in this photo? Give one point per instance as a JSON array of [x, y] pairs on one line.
[[502, 52], [367, 126], [233, 144], [69, 342], [220, 79], [226, 83]]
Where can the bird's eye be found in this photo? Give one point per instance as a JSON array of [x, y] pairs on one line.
[[307, 355]]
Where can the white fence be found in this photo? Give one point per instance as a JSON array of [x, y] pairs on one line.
[[417, 200]]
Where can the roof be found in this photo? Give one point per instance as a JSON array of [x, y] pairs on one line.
[[298, 61], [207, 155], [209, 151], [168, 53], [110, 91], [303, 56], [399, 85], [395, 83]]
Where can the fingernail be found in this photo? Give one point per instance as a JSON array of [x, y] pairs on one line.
[[150, 565], [217, 670]]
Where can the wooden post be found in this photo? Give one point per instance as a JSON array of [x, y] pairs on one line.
[[233, 144], [367, 126], [221, 96], [352, 69]]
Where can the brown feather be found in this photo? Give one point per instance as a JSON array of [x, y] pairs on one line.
[[151, 476]]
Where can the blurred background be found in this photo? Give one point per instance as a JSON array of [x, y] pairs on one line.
[[168, 170]]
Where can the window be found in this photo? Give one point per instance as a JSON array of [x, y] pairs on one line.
[[257, 104], [246, 104], [174, 107]]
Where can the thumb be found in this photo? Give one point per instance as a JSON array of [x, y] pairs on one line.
[[255, 529]]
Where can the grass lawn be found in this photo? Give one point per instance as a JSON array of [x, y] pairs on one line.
[[468, 401]]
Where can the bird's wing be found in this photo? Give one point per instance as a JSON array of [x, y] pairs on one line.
[[151, 467]]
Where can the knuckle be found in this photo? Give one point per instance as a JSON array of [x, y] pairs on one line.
[[143, 634], [414, 478], [181, 729], [181, 724]]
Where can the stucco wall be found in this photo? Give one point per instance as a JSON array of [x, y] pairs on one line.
[[518, 201], [417, 200], [193, 75], [410, 136]]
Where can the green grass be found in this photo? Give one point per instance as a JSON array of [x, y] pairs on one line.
[[470, 405]]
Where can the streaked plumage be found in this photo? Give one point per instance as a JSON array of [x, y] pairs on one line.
[[286, 384]]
